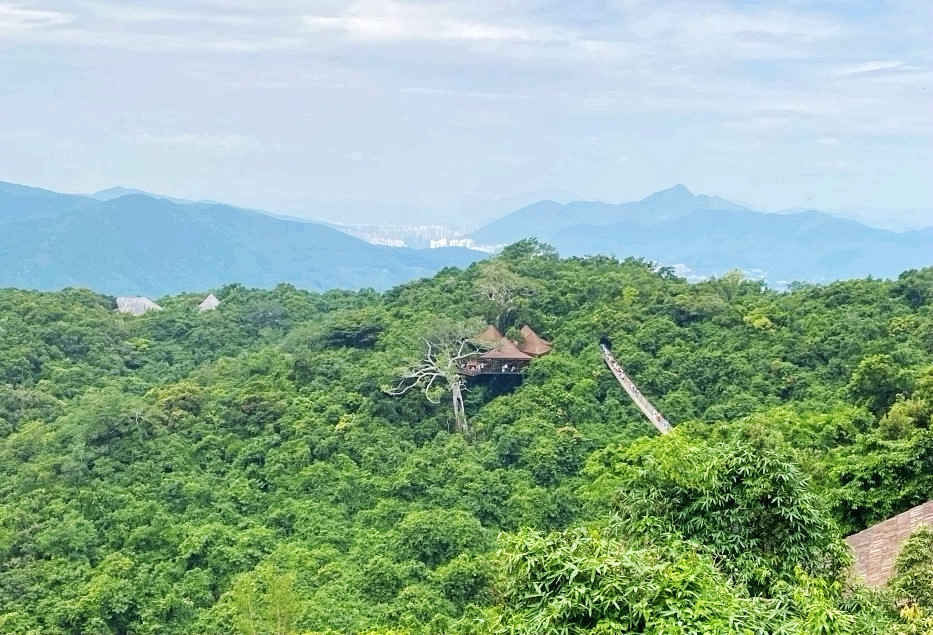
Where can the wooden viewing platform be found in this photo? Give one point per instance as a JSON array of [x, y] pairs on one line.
[[505, 357], [472, 370]]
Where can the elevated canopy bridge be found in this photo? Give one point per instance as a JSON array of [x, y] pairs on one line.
[[651, 413]]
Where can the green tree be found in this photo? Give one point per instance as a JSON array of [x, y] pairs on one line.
[[265, 603], [436, 536], [751, 508], [913, 571], [504, 290], [876, 382], [437, 370], [589, 581]]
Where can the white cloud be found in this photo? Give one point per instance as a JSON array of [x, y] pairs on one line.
[[722, 32], [15, 18], [198, 140], [738, 89], [127, 13], [872, 67], [165, 42], [771, 24], [394, 21], [472, 94], [130, 27]]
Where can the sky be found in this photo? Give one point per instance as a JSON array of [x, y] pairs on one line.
[[412, 111]]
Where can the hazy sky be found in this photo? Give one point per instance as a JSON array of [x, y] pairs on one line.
[[404, 108]]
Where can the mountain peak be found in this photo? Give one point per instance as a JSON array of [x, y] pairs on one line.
[[155, 246], [113, 193], [678, 193], [116, 192]]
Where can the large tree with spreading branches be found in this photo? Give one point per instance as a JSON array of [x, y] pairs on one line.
[[436, 369]]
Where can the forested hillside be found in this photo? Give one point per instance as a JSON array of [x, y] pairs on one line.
[[244, 469]]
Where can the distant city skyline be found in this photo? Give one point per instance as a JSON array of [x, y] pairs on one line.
[[389, 111]]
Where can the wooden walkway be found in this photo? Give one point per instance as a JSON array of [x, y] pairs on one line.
[[651, 413]]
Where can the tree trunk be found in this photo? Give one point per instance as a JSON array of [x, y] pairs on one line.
[[460, 418], [504, 319]]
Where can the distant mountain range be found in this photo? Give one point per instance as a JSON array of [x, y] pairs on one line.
[[709, 236], [125, 241], [128, 242]]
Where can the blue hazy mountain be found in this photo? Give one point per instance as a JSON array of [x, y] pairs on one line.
[[116, 192], [142, 244], [119, 191], [710, 236], [549, 218]]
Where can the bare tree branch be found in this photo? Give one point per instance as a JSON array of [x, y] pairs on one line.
[[437, 370]]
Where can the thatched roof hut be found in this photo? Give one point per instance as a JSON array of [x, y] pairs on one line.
[[209, 304], [506, 350], [533, 344], [490, 336], [876, 548], [136, 305], [504, 356]]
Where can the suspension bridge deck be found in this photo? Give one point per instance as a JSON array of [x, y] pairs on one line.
[[651, 413]]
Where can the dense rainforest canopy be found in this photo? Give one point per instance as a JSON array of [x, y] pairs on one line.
[[245, 470]]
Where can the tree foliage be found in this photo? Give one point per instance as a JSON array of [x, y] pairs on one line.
[[244, 470], [750, 508], [913, 579]]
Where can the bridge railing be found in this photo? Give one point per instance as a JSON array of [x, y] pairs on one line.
[[651, 413]]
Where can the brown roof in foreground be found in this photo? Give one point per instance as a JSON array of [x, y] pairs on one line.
[[876, 548], [490, 335], [532, 343], [506, 350]]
